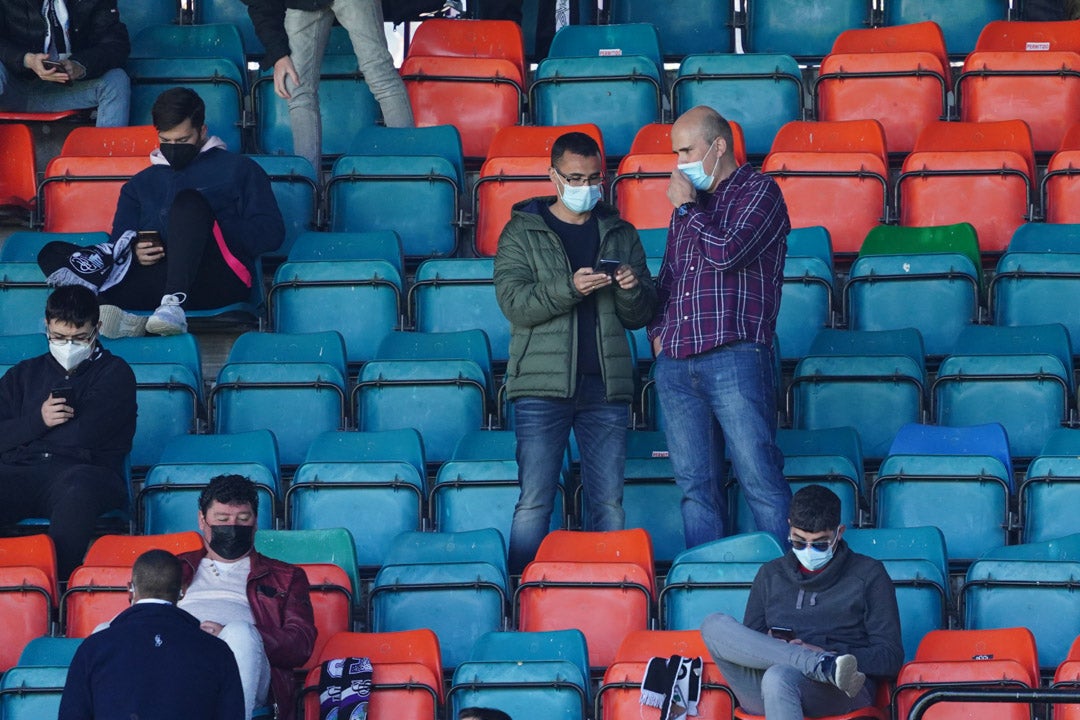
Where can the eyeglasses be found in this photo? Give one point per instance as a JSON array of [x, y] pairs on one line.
[[819, 545], [80, 338], [580, 180]]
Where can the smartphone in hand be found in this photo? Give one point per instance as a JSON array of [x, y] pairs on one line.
[[63, 392], [782, 633], [59, 67], [608, 267], [150, 236]]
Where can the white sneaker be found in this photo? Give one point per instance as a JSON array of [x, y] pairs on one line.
[[115, 323], [169, 318]]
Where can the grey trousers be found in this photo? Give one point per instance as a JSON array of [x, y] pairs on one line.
[[771, 677]]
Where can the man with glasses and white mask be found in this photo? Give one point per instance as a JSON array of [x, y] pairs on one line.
[[570, 275], [818, 622], [67, 419]]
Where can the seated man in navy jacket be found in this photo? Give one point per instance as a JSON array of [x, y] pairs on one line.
[[153, 661], [67, 419], [198, 218]]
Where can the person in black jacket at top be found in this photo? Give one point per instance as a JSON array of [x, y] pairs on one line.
[[214, 213], [64, 55], [67, 419]]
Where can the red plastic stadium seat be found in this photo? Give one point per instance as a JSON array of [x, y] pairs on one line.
[[331, 602], [27, 593], [1067, 677], [18, 174], [656, 138], [80, 193], [1061, 184], [1013, 36], [134, 141], [123, 550]]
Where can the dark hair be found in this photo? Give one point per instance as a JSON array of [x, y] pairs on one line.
[[156, 574], [482, 714], [74, 304], [229, 490], [176, 105], [576, 143], [815, 509]]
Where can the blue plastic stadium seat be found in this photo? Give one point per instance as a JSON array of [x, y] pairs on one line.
[[23, 292], [24, 245], [804, 30], [960, 22], [296, 189], [806, 304], [141, 14], [700, 26], [1051, 488], [459, 294]]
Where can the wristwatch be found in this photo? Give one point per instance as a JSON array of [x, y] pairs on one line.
[[686, 207]]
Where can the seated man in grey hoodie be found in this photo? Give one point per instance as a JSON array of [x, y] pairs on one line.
[[819, 620]]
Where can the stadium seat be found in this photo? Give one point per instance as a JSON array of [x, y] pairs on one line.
[[296, 190], [1017, 592], [332, 602], [960, 23], [1050, 488], [168, 500], [326, 546], [369, 483], [141, 14], [377, 245], [887, 370], [833, 174], [620, 692], [231, 13], [18, 171], [714, 577], [463, 574], [23, 292], [599, 582], [806, 304], [32, 693], [958, 479], [1037, 37], [46, 650], [459, 294], [936, 293], [610, 75], [16, 348], [916, 561], [346, 108], [470, 74], [990, 164], [291, 384], [804, 30], [28, 592], [519, 159], [1021, 377], [208, 58], [134, 141], [79, 194], [437, 383], [897, 75], [701, 26], [1067, 677], [24, 245], [391, 172], [1058, 189], [563, 646], [1004, 658], [959, 238], [406, 677]]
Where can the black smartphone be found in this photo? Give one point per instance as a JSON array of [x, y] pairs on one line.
[[53, 65], [782, 633], [151, 236], [608, 267], [63, 392]]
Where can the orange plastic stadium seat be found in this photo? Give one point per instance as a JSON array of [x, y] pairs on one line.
[[407, 676], [331, 602], [970, 172], [656, 138], [1003, 658], [1013, 36], [1067, 677], [599, 582], [620, 692], [95, 594], [134, 141], [466, 73], [80, 193], [533, 141], [833, 174], [1061, 184], [18, 174], [1041, 88], [27, 593], [123, 550], [909, 37]]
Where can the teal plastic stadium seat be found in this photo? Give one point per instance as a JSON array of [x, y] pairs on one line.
[[885, 368], [518, 645], [761, 92], [582, 40], [699, 26], [296, 190], [1037, 237], [1049, 496], [367, 193], [462, 574], [220, 40], [455, 345], [225, 11], [141, 14], [1037, 287], [32, 693], [377, 245], [531, 688], [936, 293], [346, 108], [22, 298], [1065, 548], [16, 348], [332, 546], [459, 294], [486, 445], [390, 445], [654, 242], [368, 292], [804, 30], [24, 245], [1038, 595], [649, 484], [168, 397], [806, 304], [160, 349], [961, 23], [438, 141], [55, 651]]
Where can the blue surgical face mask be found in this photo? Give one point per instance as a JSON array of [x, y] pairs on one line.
[[813, 559], [580, 199], [695, 171]]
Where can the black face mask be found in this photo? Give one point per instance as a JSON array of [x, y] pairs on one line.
[[179, 155], [232, 542]]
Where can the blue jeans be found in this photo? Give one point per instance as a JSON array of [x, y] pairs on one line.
[[724, 398], [110, 94], [543, 428]]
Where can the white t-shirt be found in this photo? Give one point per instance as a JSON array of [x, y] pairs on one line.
[[218, 592]]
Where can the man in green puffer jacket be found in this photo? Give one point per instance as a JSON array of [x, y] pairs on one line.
[[570, 275]]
